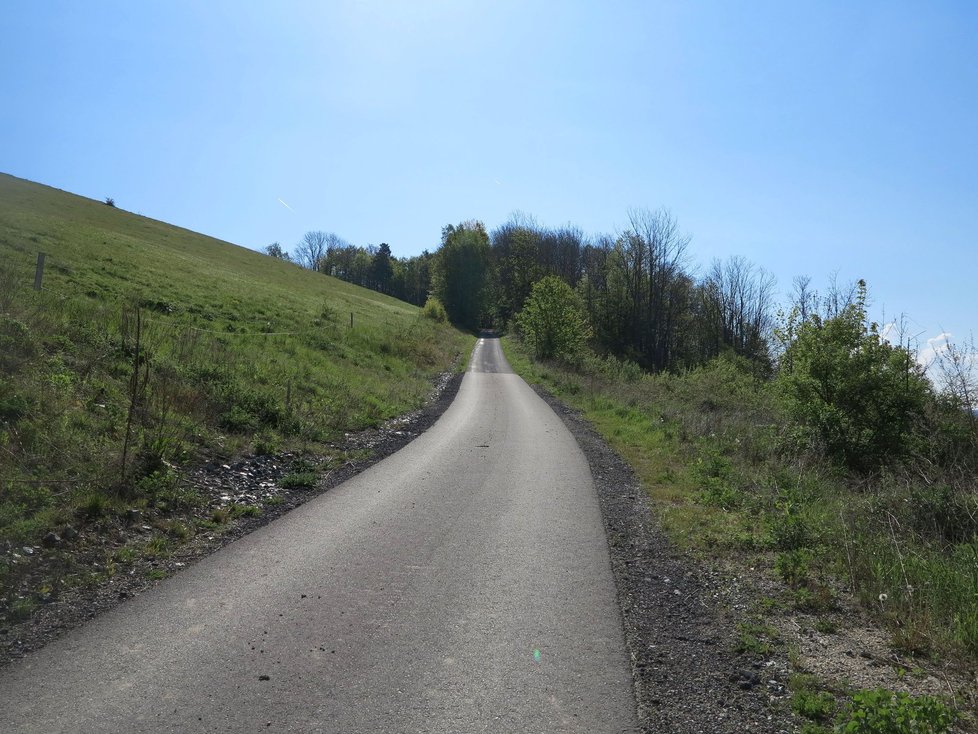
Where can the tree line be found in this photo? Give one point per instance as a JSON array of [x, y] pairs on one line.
[[374, 267], [640, 296], [637, 289], [635, 294]]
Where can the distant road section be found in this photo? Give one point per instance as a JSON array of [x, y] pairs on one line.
[[461, 585]]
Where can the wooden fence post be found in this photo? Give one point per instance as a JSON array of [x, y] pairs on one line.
[[39, 271]]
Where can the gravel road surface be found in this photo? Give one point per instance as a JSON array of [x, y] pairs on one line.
[[461, 585]]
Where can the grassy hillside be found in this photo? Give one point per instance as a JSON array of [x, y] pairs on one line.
[[150, 347]]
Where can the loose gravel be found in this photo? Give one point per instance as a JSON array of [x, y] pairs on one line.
[[679, 618]]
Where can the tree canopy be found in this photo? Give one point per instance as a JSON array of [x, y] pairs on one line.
[[552, 321], [461, 273]]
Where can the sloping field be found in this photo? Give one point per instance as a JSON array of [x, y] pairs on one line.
[[150, 348]]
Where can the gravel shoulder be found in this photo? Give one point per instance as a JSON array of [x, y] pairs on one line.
[[679, 619]]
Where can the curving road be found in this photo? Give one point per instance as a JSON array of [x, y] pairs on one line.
[[461, 585]]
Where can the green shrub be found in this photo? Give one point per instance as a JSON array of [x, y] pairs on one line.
[[175, 496], [794, 566], [713, 473], [718, 492], [249, 408], [265, 445], [815, 705], [754, 639], [612, 368], [862, 397], [826, 626], [881, 711], [787, 525], [434, 310], [93, 504], [238, 420], [160, 482], [814, 598]]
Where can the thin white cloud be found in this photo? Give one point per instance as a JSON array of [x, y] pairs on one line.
[[286, 205], [952, 365], [936, 346]]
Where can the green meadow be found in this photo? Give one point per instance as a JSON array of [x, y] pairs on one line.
[[151, 348]]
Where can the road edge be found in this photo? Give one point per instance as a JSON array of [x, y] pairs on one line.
[[77, 606], [679, 633]]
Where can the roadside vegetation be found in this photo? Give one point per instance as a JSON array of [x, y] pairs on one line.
[[735, 478], [150, 349], [798, 442]]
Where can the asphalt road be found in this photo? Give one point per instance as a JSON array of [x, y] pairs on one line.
[[461, 585]]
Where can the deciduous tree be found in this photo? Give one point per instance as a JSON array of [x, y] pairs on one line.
[[552, 321], [461, 273], [312, 249], [862, 397], [276, 250]]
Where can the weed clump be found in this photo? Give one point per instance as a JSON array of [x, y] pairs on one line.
[[814, 705], [299, 480], [881, 711]]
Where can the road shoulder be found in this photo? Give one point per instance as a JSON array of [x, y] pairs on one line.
[[680, 632]]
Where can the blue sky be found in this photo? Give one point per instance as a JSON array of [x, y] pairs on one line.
[[808, 137]]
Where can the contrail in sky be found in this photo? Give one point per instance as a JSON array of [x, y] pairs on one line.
[[286, 205]]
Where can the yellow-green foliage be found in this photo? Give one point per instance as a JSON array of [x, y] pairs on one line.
[[232, 344], [881, 711], [552, 321], [434, 310]]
